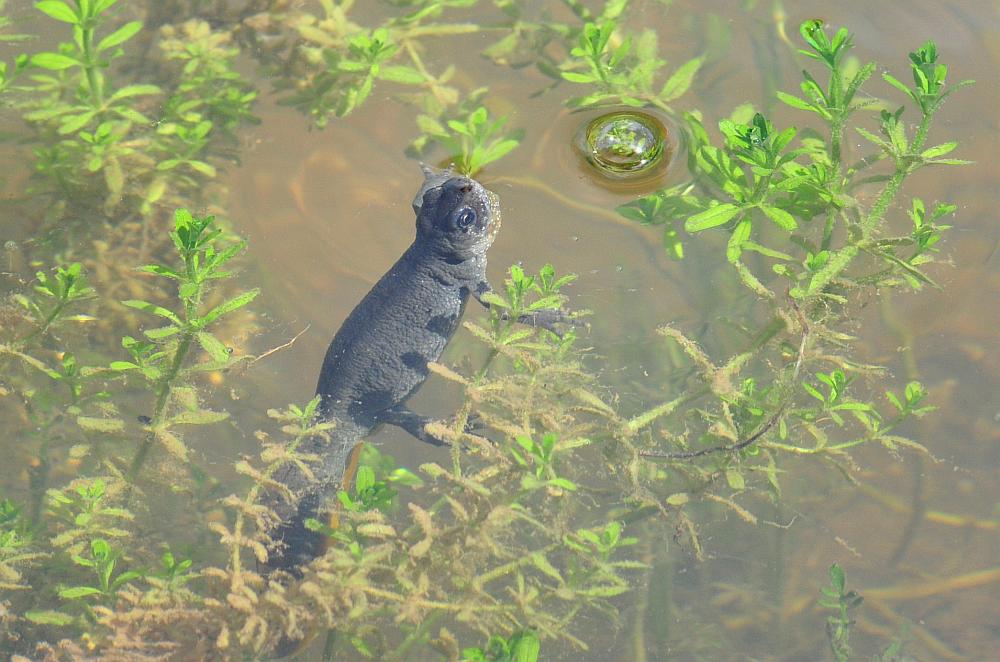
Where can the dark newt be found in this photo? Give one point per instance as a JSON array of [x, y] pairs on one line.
[[379, 356]]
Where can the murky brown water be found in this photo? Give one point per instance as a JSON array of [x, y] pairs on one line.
[[328, 212]]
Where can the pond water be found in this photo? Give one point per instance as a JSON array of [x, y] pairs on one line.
[[327, 211]]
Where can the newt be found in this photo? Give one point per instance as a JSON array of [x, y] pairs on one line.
[[379, 357]]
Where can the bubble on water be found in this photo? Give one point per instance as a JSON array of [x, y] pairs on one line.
[[624, 144]]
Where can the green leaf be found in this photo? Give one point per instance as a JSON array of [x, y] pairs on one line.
[[77, 592], [100, 6], [58, 10], [551, 302], [135, 91], [899, 85], [741, 233], [501, 149], [473, 654], [494, 299], [780, 217], [235, 303], [764, 250], [678, 499], [525, 646], [122, 34], [938, 150], [160, 270], [952, 162], [73, 123], [161, 332], [206, 169], [795, 102], [681, 80], [712, 217], [837, 577], [539, 561], [604, 591], [837, 263], [49, 617], [197, 417], [735, 479], [567, 485], [576, 77], [213, 346], [148, 307], [53, 61], [402, 74]]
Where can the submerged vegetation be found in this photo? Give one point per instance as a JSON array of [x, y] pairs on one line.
[[541, 517]]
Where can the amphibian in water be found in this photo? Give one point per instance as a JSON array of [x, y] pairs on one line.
[[379, 356]]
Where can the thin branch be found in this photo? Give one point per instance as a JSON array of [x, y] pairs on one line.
[[740, 445]]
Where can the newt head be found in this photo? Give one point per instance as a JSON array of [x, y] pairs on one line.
[[456, 216]]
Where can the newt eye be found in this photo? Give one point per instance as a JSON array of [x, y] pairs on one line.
[[466, 218]]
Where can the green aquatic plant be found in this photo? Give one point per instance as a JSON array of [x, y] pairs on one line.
[[75, 99], [162, 359], [16, 553], [624, 71], [54, 294], [100, 139], [488, 508], [471, 142], [541, 511], [102, 560], [522, 646], [760, 178], [329, 65], [843, 602], [82, 513], [208, 85], [5, 23], [7, 75], [795, 209]]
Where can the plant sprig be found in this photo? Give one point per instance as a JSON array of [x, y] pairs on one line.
[[162, 359]]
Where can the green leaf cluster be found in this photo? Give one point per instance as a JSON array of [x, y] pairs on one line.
[[522, 646], [161, 359], [97, 138], [540, 456], [807, 194], [83, 512], [843, 602], [102, 561], [624, 70], [54, 293], [472, 141]]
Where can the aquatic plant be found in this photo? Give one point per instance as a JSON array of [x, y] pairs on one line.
[[161, 360], [86, 125], [838, 625], [623, 72], [551, 501]]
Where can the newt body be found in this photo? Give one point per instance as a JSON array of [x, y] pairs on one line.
[[379, 356]]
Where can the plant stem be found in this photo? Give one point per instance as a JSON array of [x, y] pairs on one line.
[[921, 135], [90, 67], [881, 206], [44, 326], [416, 636], [164, 388]]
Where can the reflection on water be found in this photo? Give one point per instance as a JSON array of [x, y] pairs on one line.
[[327, 212]]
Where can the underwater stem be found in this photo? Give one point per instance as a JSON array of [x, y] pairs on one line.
[[163, 390]]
